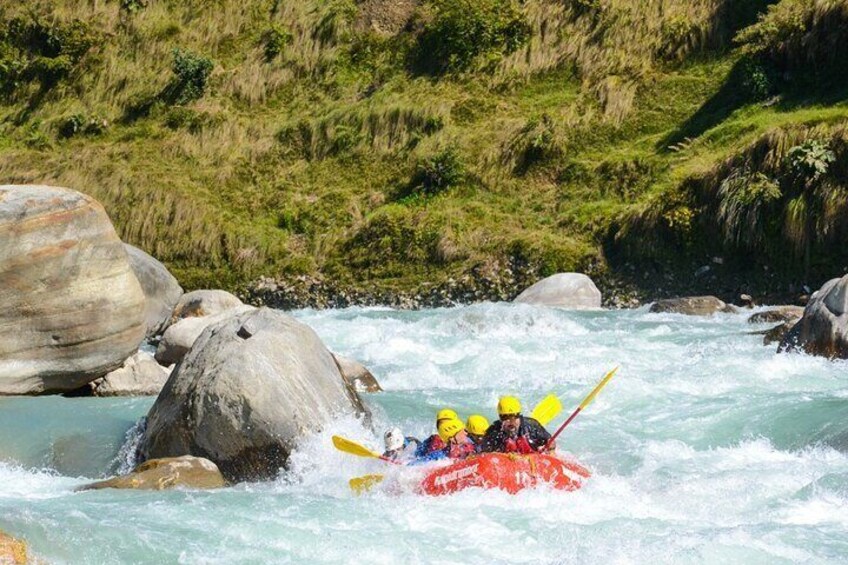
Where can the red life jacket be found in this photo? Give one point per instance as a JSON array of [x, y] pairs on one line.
[[518, 445]]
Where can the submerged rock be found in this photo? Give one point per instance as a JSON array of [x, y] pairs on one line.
[[565, 290], [167, 473], [12, 551], [357, 375], [823, 329], [140, 375], [777, 314], [691, 306], [161, 289], [251, 386], [72, 308], [180, 336]]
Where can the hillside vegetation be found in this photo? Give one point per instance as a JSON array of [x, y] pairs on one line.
[[392, 143]]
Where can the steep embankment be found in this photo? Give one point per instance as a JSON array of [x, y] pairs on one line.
[[386, 144]]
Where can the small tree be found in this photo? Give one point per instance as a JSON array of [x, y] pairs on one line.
[[191, 73]]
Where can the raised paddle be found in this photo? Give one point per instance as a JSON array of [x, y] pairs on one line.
[[547, 409], [348, 446], [583, 405]]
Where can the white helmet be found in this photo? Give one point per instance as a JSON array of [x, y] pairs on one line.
[[394, 439]]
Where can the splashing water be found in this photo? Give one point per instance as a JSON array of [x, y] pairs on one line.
[[706, 448]]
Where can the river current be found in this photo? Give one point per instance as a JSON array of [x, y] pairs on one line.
[[706, 447]]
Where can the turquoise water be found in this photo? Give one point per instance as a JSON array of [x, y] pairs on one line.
[[706, 447]]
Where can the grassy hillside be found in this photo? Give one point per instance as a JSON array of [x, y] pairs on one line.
[[391, 143]]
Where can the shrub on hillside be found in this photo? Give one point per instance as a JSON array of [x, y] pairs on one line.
[[133, 6], [191, 73], [274, 41], [462, 31], [34, 49], [438, 172], [810, 160], [80, 124], [801, 38]]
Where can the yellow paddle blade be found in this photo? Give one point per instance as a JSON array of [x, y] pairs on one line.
[[348, 446], [364, 483], [598, 388], [547, 409]]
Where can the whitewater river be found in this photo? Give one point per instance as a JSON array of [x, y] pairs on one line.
[[707, 447]]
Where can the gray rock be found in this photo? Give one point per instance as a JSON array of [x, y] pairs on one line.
[[823, 329], [357, 375], [691, 306], [198, 303], [566, 290], [167, 473], [777, 314], [180, 336], [72, 309], [252, 385], [161, 289], [141, 375], [777, 333]]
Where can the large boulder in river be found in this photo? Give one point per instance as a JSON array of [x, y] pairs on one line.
[[181, 335], [199, 303], [72, 309], [161, 289], [167, 473], [252, 385], [140, 375], [565, 290], [823, 330], [691, 306]]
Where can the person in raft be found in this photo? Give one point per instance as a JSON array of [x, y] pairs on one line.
[[432, 447], [458, 444], [398, 447], [476, 427], [515, 433]]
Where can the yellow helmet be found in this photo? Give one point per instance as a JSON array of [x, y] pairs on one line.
[[477, 425], [508, 405], [446, 414], [449, 428]]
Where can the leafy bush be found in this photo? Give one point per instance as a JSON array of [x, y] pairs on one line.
[[810, 160], [191, 73], [133, 6], [755, 79], [461, 31], [79, 124], [274, 40], [439, 172], [36, 50], [745, 206]]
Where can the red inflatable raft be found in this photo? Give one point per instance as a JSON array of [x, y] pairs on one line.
[[509, 472]]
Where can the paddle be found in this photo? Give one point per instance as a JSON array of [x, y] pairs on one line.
[[583, 405], [364, 483], [348, 446], [546, 410]]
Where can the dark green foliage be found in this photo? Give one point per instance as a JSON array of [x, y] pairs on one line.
[[439, 172], [810, 160], [133, 6], [755, 79], [191, 73], [274, 41], [80, 124], [33, 49], [463, 31]]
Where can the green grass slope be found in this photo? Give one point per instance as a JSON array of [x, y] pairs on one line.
[[394, 143]]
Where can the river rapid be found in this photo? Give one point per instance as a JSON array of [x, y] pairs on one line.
[[706, 447]]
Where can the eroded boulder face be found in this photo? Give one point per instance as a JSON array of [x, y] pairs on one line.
[[565, 290], [72, 309], [167, 473], [161, 289], [692, 306], [823, 329], [357, 375], [250, 387]]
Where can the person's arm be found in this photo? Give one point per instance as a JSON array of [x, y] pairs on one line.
[[491, 441], [538, 436]]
